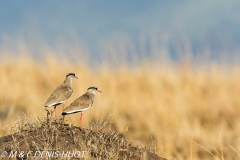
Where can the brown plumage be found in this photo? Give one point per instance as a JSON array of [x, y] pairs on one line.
[[61, 93], [82, 103]]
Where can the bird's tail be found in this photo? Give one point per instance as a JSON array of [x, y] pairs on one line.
[[45, 107], [64, 113]]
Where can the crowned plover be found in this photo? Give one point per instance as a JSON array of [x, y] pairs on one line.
[[61, 93], [82, 103]]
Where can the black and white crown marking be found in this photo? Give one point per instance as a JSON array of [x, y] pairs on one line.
[[93, 87], [70, 74]]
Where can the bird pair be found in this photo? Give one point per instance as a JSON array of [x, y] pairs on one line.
[[62, 93]]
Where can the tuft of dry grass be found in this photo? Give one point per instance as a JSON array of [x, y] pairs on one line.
[[43, 138], [189, 113]]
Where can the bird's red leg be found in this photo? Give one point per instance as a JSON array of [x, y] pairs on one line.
[[55, 112], [63, 109], [81, 120]]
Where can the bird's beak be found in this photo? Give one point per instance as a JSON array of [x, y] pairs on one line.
[[99, 91], [75, 77]]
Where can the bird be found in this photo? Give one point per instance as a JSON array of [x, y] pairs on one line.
[[61, 94], [82, 103]]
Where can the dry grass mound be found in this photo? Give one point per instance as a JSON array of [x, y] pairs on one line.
[[49, 139]]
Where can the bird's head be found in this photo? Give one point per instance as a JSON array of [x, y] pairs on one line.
[[71, 75], [93, 90]]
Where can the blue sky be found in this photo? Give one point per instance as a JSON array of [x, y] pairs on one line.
[[166, 25]]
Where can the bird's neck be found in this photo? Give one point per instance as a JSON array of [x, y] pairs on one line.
[[68, 82], [92, 96]]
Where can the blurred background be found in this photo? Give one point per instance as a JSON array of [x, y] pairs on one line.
[[169, 70], [173, 29]]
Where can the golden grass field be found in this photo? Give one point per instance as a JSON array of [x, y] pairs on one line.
[[187, 113]]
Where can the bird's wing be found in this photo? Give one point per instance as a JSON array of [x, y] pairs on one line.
[[79, 104], [60, 94]]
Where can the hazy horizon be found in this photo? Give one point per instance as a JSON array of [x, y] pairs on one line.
[[172, 29]]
